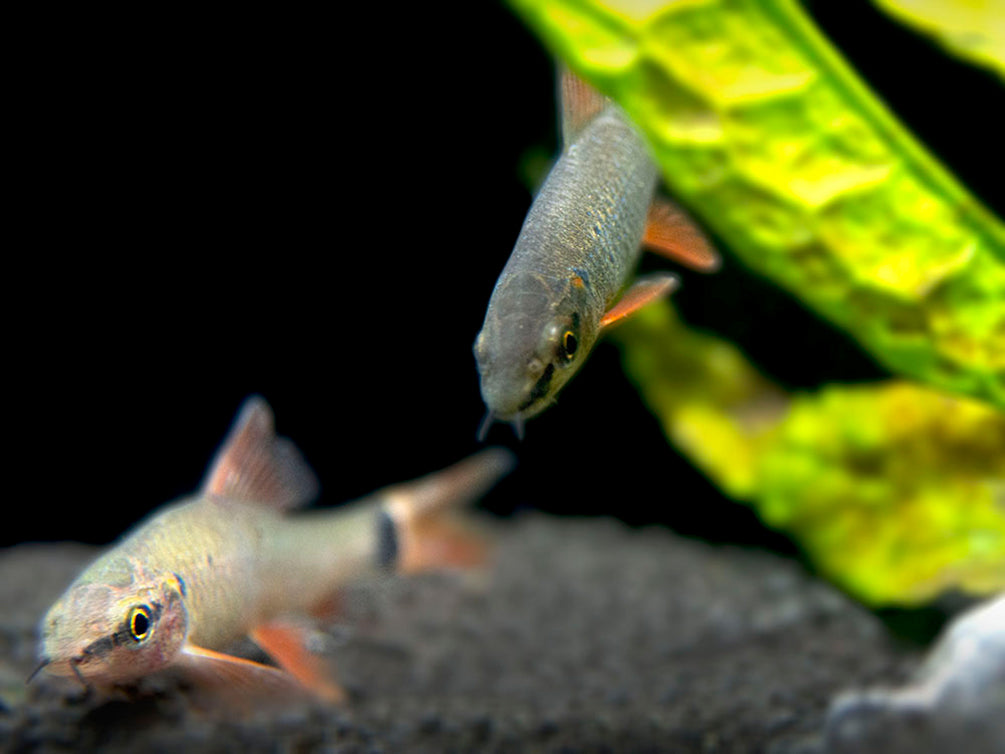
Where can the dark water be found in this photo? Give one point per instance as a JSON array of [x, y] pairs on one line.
[[216, 205]]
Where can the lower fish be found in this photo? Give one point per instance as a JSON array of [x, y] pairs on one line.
[[232, 561], [568, 276]]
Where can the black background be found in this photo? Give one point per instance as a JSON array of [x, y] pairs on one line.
[[315, 208]]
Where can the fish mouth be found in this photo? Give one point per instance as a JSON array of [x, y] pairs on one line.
[[505, 404], [68, 668], [67, 661], [540, 389], [536, 400]]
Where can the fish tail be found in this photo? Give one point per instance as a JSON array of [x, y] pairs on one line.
[[425, 527]]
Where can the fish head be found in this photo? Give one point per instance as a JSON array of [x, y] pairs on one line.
[[535, 337], [107, 631]]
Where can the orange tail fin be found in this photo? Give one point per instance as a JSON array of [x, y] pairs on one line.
[[429, 531]]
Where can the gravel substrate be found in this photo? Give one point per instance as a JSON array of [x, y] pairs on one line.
[[583, 636]]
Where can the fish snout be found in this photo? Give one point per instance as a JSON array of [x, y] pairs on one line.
[[63, 668], [509, 373], [58, 656], [506, 392]]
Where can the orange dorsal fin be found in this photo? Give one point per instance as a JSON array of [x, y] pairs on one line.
[[671, 232], [580, 103], [255, 465], [643, 291]]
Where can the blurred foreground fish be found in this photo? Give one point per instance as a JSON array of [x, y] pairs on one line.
[[565, 280], [229, 562]]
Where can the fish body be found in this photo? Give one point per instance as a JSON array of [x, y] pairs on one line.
[[579, 243], [578, 247], [232, 561], [239, 565]]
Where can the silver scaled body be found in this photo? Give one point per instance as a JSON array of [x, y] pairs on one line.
[[578, 246]]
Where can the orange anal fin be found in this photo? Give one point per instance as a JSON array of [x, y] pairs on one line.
[[672, 233], [287, 643], [643, 291], [229, 674]]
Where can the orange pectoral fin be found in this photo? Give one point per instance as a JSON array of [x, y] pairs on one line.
[[227, 673], [642, 292], [287, 643], [671, 232]]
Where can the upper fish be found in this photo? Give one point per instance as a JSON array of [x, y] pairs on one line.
[[232, 561], [566, 279]]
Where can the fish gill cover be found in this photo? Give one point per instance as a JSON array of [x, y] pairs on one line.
[[897, 489]]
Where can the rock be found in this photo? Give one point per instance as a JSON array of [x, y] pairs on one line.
[[956, 702]]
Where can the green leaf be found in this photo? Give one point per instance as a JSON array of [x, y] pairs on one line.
[[768, 136], [974, 30], [896, 491]]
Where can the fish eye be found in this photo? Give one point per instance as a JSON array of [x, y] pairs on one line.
[[569, 344], [140, 625]]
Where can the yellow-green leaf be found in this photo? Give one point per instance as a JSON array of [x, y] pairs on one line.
[[896, 491], [971, 29]]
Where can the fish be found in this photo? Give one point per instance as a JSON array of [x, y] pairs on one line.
[[567, 279], [235, 560]]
